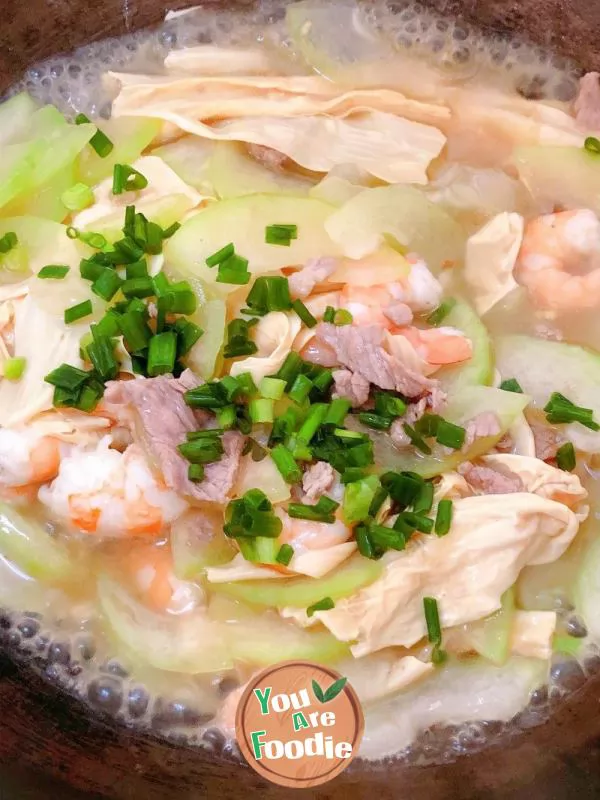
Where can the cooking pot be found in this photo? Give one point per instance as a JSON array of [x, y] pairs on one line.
[[51, 746]]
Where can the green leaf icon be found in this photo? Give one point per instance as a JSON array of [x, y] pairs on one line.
[[318, 692], [331, 693]]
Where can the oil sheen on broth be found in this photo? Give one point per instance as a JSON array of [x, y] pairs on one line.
[[61, 629]]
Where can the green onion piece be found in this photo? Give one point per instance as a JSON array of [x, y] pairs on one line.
[[77, 312], [375, 420], [226, 417], [323, 605], [188, 334], [107, 326], [290, 369], [353, 474], [238, 341], [450, 435], [8, 242], [135, 331], [415, 522], [273, 388], [286, 464], [387, 405], [281, 234], [321, 382], [285, 554], [432, 620], [337, 411], [128, 251], [91, 270], [162, 353], [403, 487], [358, 497], [565, 457], [592, 145], [511, 385], [221, 255], [329, 315], [438, 656], [439, 314], [559, 409], [322, 511], [202, 451], [300, 389], [138, 287], [443, 517], [99, 141], [107, 284], [77, 197], [261, 410], [196, 473], [424, 501], [183, 299], [365, 544], [378, 500], [206, 433], [342, 317], [89, 397], [388, 538], [101, 353], [313, 421], [251, 515], [138, 269], [91, 238], [269, 293], [234, 270], [67, 377], [209, 395], [14, 368], [284, 425], [416, 440], [127, 179], [352, 436], [304, 314], [246, 383], [428, 425], [53, 272], [168, 232]]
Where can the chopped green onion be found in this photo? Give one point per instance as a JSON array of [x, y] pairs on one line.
[[162, 353], [261, 410], [285, 554], [342, 317], [128, 251], [202, 451], [273, 388], [561, 410], [322, 511], [365, 544], [321, 382], [89, 397], [8, 242], [403, 487], [77, 197], [226, 417], [172, 229], [424, 501], [290, 369], [428, 425], [439, 314], [246, 383], [206, 433], [99, 141], [251, 515], [387, 405], [91, 238], [416, 440], [565, 457], [353, 474], [304, 314], [107, 284], [269, 293], [337, 411], [375, 420], [358, 497], [432, 620], [592, 145], [209, 395], [67, 377], [234, 270], [221, 255], [443, 517], [450, 435], [388, 538], [138, 287], [281, 234], [238, 340], [188, 334], [77, 312], [438, 656], [53, 272], [127, 179], [313, 421], [139, 269], [415, 522], [90, 270], [342, 433], [14, 368], [135, 331], [300, 389], [378, 500], [286, 464], [325, 604], [107, 326], [284, 425], [196, 473], [329, 315], [511, 385], [101, 352]]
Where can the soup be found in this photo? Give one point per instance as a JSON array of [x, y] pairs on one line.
[[298, 334]]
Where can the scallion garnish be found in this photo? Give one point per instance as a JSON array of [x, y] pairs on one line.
[[329, 314], [304, 314], [565, 457], [424, 501], [375, 420], [592, 145], [337, 411], [107, 284], [388, 405], [226, 417], [138, 287], [322, 511], [559, 409], [196, 473], [286, 464], [234, 270], [101, 352], [511, 385], [13, 368], [9, 241], [127, 179], [67, 377], [269, 293], [285, 554], [314, 419], [162, 353], [417, 441], [77, 312], [135, 330], [326, 604], [202, 451], [221, 255], [439, 314], [378, 500], [261, 410], [358, 496], [290, 369], [450, 435], [403, 487], [53, 272], [342, 317], [238, 340], [272, 388], [281, 234], [77, 197], [432, 620], [188, 334], [300, 389], [443, 517], [99, 141], [251, 515]]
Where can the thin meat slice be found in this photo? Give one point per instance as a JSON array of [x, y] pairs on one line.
[[317, 480], [315, 271], [156, 407], [360, 349], [484, 424], [587, 102], [352, 386], [490, 481], [547, 440]]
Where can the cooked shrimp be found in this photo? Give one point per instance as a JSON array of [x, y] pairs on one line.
[[559, 260], [439, 346], [27, 459], [305, 535], [102, 491], [151, 571]]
